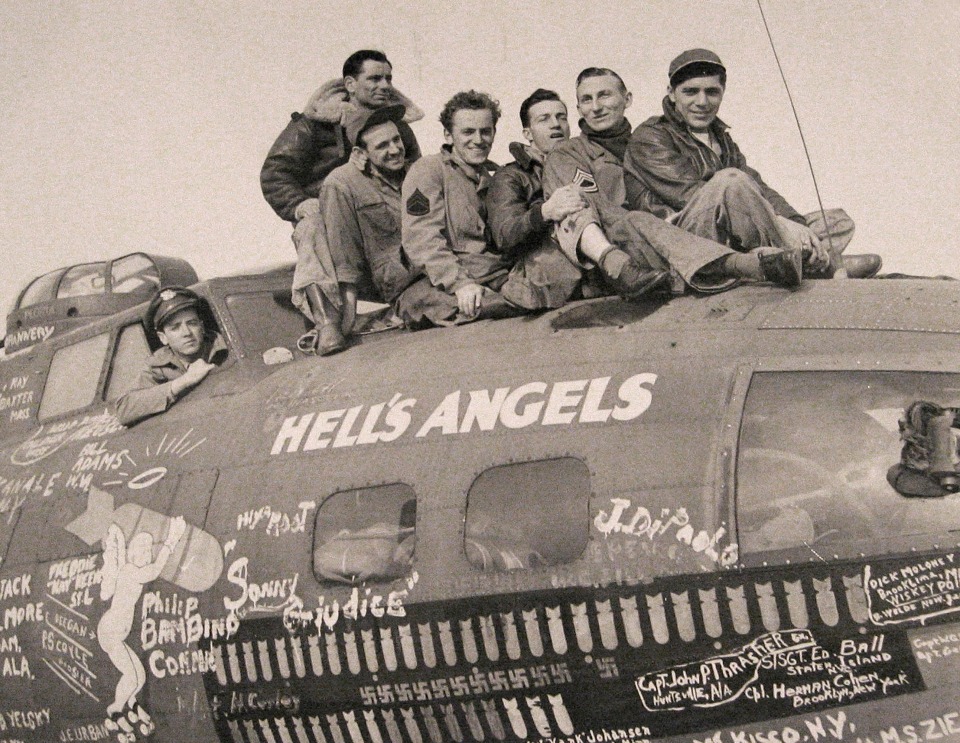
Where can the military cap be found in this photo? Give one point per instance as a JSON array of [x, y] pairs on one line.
[[694, 56], [357, 121], [167, 302]]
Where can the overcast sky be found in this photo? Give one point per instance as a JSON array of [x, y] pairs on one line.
[[143, 125]]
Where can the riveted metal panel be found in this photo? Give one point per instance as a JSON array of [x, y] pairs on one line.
[[905, 313]]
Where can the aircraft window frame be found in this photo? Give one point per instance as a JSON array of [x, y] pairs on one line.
[[391, 548], [498, 547], [41, 289], [76, 279], [108, 340], [147, 275], [730, 452], [115, 351], [248, 340]]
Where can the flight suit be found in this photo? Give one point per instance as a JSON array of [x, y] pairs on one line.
[[153, 393], [445, 235], [672, 174], [360, 213], [648, 239]]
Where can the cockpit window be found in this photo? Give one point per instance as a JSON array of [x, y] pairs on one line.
[[41, 289], [73, 378], [134, 273], [87, 278], [128, 361], [815, 449], [528, 515], [367, 535], [267, 320]]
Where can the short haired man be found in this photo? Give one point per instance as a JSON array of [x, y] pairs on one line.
[[685, 167], [189, 352], [312, 145], [444, 216], [522, 222], [636, 250], [360, 211]]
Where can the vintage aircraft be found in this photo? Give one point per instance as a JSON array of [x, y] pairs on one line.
[[609, 522]]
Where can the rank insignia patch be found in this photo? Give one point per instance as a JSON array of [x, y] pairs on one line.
[[585, 181], [418, 205]]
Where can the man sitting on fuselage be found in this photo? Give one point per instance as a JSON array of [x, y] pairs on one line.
[[444, 218], [635, 250], [311, 146], [522, 222], [685, 167], [189, 352], [360, 218]]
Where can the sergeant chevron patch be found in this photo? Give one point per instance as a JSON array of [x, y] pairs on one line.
[[418, 205], [585, 181]]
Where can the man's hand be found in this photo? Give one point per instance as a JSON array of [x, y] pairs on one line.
[[305, 208], [358, 159], [816, 254], [469, 299], [194, 375], [562, 203]]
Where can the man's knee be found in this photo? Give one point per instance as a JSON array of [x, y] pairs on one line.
[[732, 179]]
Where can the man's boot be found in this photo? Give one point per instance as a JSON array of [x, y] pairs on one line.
[[783, 268], [864, 266], [627, 277], [329, 335]]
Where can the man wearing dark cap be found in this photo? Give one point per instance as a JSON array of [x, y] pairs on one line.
[[635, 251], [685, 167], [188, 354], [360, 214]]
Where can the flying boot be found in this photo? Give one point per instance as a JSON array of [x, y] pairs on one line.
[[862, 266], [329, 335], [783, 267], [627, 277]]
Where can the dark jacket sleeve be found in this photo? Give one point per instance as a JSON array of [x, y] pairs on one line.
[[779, 204], [515, 220], [410, 143], [654, 163], [288, 168]]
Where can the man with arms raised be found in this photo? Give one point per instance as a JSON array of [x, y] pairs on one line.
[[312, 145], [444, 216], [685, 167], [635, 249]]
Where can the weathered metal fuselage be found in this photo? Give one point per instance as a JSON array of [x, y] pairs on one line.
[[628, 522]]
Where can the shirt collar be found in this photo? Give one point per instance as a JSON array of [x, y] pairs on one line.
[[383, 182], [166, 356], [526, 156], [480, 176]]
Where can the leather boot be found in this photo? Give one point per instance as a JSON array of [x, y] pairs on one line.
[[627, 277], [864, 266], [329, 335], [783, 268]]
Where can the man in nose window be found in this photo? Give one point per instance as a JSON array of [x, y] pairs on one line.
[[190, 351]]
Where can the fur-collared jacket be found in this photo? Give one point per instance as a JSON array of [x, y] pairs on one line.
[[314, 143]]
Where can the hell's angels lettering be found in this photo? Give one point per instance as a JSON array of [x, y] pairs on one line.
[[534, 403]]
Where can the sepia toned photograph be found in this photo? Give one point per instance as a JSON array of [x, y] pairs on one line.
[[559, 372]]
